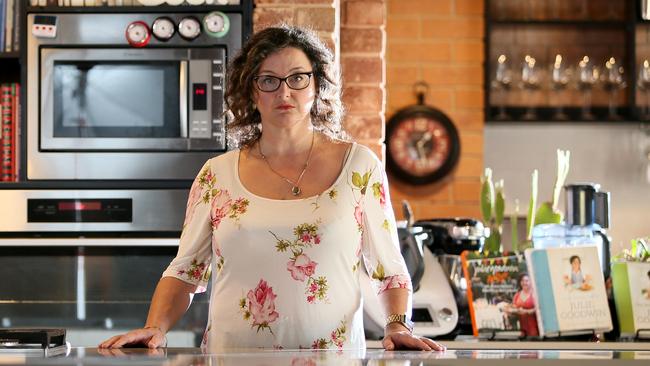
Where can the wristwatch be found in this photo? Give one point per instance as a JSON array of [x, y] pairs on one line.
[[402, 319]]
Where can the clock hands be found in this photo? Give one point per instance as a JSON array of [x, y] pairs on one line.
[[419, 144]]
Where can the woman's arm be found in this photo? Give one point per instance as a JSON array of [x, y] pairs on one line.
[[170, 301], [396, 335]]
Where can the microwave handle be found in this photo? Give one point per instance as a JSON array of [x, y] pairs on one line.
[[183, 98]]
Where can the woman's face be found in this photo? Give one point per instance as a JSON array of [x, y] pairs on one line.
[[285, 107], [525, 283], [575, 264]]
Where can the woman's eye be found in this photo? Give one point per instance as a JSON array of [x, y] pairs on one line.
[[266, 80], [296, 78]]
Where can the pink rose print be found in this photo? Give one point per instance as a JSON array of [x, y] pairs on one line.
[[260, 304], [195, 272], [301, 267], [397, 281], [300, 264], [337, 338], [223, 206], [358, 215]]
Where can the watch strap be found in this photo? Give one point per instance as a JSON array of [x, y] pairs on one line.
[[401, 319]]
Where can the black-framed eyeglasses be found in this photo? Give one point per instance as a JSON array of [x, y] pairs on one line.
[[269, 83]]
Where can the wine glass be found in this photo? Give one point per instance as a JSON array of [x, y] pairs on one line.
[[560, 77], [587, 78], [502, 81], [530, 78], [613, 81], [643, 82]]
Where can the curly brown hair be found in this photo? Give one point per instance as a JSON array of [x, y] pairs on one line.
[[245, 120]]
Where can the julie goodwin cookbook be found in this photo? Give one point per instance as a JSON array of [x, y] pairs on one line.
[[631, 281], [569, 291], [499, 295]]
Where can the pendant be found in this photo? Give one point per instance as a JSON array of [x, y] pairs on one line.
[[295, 190]]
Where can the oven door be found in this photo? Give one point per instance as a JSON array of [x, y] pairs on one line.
[[108, 99]]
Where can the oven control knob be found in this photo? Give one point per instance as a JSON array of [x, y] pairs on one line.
[[216, 24], [163, 28], [137, 34], [189, 28]]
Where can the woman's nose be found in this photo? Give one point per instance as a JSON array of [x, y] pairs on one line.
[[283, 91]]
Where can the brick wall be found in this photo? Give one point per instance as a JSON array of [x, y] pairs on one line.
[[363, 64], [441, 43]]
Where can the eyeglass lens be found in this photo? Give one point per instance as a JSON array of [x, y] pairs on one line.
[[270, 83]]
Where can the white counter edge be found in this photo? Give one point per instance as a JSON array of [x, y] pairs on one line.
[[549, 345]]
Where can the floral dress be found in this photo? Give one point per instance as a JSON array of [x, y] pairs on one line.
[[285, 273]]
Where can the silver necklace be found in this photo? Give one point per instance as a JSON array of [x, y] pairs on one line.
[[295, 186]]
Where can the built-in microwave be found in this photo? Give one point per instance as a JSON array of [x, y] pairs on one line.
[[129, 96]]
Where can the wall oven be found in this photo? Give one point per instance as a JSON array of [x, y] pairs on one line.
[[129, 96]]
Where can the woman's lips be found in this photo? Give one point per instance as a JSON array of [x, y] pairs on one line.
[[285, 107]]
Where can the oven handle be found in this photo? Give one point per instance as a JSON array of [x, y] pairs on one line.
[[183, 98]]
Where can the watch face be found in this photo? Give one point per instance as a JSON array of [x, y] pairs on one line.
[[422, 143]]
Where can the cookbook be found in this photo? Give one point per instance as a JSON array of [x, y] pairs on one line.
[[631, 281], [569, 291], [499, 295]]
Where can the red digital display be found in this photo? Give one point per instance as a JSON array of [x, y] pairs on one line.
[[199, 91], [80, 206]]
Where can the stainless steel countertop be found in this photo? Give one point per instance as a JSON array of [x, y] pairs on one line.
[[246, 357]]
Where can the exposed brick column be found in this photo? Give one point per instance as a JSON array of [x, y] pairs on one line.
[[320, 15], [363, 64]]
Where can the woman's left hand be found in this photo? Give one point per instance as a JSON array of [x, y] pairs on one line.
[[396, 336]]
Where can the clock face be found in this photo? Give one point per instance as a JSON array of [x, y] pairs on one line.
[[423, 145]]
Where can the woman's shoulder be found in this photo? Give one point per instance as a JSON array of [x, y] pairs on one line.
[[363, 155], [218, 164]]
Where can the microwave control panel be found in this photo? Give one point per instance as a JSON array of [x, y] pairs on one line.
[[206, 100]]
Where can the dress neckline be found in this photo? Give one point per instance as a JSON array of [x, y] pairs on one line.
[[348, 158]]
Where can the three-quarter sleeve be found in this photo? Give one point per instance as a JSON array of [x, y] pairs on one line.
[[192, 262], [380, 242]]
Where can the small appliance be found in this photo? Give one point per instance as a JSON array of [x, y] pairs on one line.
[[434, 311], [587, 217], [450, 237]]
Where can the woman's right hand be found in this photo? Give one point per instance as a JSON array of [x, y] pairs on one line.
[[151, 337]]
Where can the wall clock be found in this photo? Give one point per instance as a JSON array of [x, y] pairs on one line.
[[422, 143]]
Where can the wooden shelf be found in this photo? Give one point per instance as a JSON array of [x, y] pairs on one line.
[[564, 23], [9, 55]]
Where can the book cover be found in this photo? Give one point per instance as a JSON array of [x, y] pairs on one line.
[[499, 295], [17, 118], [569, 290], [7, 132], [631, 281]]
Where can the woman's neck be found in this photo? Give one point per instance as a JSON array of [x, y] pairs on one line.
[[287, 141]]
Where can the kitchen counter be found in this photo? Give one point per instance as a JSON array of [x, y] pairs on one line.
[[194, 356]]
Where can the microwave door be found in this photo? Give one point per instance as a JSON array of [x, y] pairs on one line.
[[114, 100]]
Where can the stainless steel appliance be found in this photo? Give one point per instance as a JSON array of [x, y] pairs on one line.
[[135, 96]]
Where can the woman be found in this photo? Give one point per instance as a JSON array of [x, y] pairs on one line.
[[524, 305], [577, 279], [284, 220]]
